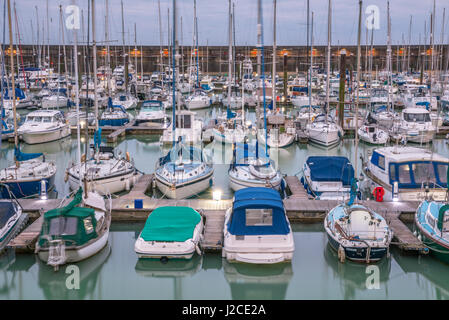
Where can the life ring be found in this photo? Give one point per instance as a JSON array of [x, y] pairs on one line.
[[378, 193]]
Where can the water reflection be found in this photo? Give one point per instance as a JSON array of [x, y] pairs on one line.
[[352, 275], [430, 268], [53, 284], [175, 269], [258, 282]]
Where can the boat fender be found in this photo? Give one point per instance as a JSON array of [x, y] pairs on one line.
[[378, 193], [127, 156], [66, 176], [341, 254], [198, 250], [127, 184], [419, 237]]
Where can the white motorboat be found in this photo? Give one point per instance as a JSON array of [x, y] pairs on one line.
[[58, 99], [406, 174], [42, 126], [415, 125], [127, 101], [372, 134], [324, 132], [277, 139], [256, 229], [328, 177], [184, 172], [152, 113], [170, 233]]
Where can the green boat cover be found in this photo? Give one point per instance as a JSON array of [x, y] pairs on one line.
[[170, 224], [71, 210]]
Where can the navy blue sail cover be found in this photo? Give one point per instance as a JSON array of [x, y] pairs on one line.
[[328, 168], [22, 156], [258, 198]]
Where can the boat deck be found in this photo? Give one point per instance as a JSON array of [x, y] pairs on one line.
[[298, 207]]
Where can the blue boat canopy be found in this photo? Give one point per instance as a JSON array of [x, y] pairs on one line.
[[21, 156], [330, 168], [258, 198]]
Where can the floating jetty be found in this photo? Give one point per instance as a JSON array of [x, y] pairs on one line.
[[298, 206]]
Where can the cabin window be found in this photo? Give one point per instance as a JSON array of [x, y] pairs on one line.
[[404, 173], [442, 172], [381, 162], [46, 119], [259, 217], [88, 226], [392, 172], [418, 117], [423, 172], [63, 226]]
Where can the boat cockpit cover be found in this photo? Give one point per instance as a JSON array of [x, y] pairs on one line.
[[171, 224], [71, 209], [328, 168], [21, 156], [257, 198], [7, 210]]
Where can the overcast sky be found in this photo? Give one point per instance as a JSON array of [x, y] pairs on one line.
[[213, 20]]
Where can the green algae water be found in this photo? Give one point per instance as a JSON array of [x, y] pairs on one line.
[[314, 273]]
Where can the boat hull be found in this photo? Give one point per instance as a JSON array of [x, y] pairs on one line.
[[25, 189], [184, 190], [43, 137], [359, 254], [106, 186], [79, 254]]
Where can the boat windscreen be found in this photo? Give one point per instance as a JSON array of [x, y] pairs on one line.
[[7, 210]]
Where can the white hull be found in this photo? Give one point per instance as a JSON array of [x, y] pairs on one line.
[[237, 184], [186, 190], [170, 250], [45, 136], [257, 249], [324, 137], [108, 185], [75, 255]]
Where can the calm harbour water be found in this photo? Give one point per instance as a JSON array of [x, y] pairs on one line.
[[314, 273]]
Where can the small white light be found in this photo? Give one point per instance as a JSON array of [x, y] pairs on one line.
[[216, 195], [43, 195]]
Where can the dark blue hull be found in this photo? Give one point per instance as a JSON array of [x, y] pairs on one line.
[[359, 254], [26, 189], [113, 122]]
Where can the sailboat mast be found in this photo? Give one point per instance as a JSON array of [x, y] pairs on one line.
[[359, 52], [13, 84], [94, 48], [274, 58], [229, 56], [77, 98], [329, 16], [388, 54], [174, 72], [64, 50]]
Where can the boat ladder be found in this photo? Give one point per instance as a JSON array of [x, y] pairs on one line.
[[56, 254]]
